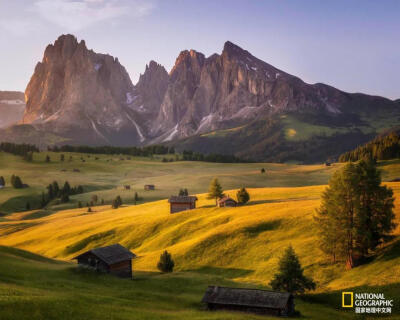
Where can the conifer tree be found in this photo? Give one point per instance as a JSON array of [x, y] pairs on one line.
[[215, 190], [166, 264], [356, 213], [290, 277]]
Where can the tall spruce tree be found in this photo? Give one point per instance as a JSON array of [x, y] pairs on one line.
[[290, 277], [215, 190], [356, 213], [242, 196]]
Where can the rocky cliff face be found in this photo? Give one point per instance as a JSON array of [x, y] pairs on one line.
[[82, 95], [233, 88], [12, 105]]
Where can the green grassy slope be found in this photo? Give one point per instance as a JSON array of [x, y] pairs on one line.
[[33, 287]]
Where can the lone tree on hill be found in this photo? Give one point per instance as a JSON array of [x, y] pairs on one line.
[[262, 170], [2, 181], [242, 196], [117, 202], [356, 213], [166, 264], [215, 190], [183, 192], [47, 158], [290, 276], [62, 157]]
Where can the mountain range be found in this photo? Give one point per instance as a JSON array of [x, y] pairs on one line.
[[231, 103]]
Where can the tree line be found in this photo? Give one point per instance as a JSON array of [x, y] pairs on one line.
[[18, 149], [133, 151], [188, 155], [381, 148]]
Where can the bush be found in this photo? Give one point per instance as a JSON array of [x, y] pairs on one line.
[[117, 202], [242, 196], [166, 264]]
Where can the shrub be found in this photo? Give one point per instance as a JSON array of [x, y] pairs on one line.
[[242, 196], [166, 264]]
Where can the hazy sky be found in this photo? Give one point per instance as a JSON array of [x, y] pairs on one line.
[[352, 45]]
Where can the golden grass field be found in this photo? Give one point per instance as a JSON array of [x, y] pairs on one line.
[[249, 239]]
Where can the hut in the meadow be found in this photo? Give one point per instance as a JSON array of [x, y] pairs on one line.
[[126, 187], [114, 259], [182, 203], [249, 300], [149, 187], [227, 202]]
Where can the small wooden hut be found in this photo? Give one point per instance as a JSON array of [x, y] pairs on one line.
[[114, 259], [227, 202], [182, 203], [149, 187], [249, 300]]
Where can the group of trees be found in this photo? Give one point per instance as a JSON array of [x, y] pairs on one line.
[[16, 182], [188, 155], [216, 192], [183, 192], [17, 149], [381, 148], [356, 213], [132, 151], [54, 191]]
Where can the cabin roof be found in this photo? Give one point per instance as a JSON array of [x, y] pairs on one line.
[[226, 198], [182, 199], [246, 297], [110, 254]]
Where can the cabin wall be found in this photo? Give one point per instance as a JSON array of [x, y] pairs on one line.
[[122, 269], [177, 207], [92, 261]]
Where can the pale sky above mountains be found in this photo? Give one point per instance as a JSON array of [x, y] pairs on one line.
[[352, 45]]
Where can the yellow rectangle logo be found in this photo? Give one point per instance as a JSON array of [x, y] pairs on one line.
[[344, 294]]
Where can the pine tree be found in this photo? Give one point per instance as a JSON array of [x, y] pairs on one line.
[[56, 189], [47, 158], [16, 182], [290, 277], [62, 157], [215, 190], [166, 264], [66, 188], [242, 196], [43, 201], [262, 170], [356, 213], [79, 204]]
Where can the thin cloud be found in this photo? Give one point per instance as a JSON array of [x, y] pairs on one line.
[[75, 15]]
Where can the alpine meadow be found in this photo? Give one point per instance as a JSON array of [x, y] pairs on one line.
[[221, 160]]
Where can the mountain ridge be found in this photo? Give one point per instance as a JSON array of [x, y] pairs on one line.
[[85, 97]]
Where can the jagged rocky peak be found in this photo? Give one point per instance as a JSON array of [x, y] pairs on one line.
[[75, 89]]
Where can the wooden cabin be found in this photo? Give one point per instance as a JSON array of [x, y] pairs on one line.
[[227, 202], [127, 187], [249, 300], [114, 259], [182, 203], [149, 187]]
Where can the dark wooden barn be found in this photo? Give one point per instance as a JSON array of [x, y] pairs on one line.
[[149, 187], [249, 300], [227, 202], [182, 203], [114, 259]]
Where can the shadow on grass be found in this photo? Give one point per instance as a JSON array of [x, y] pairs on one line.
[[227, 273], [37, 214], [257, 202], [255, 230]]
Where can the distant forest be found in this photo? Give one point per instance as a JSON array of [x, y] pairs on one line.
[[18, 149], [381, 148], [132, 151], [187, 155]]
